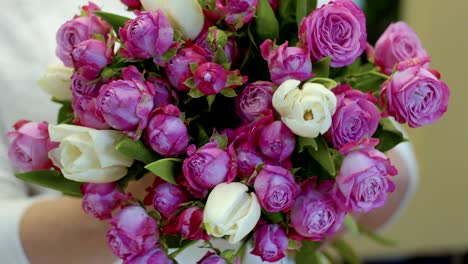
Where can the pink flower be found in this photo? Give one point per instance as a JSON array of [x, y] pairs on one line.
[[275, 188], [149, 35], [237, 12], [271, 242], [30, 146], [82, 83], [127, 104], [79, 29], [315, 214], [166, 132], [166, 198], [207, 167], [210, 78], [153, 256], [276, 141], [286, 62], [414, 95], [189, 224], [246, 153], [212, 258], [398, 43], [86, 113], [336, 29], [255, 100], [92, 54], [100, 199], [164, 93], [210, 40], [178, 69], [133, 232], [356, 116], [363, 182], [132, 4]]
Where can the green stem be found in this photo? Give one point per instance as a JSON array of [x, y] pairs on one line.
[[241, 249], [379, 74], [174, 254]]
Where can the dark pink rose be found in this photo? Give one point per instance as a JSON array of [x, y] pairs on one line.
[[364, 183], [164, 93], [210, 78], [132, 4], [92, 54], [133, 233], [153, 256], [178, 69], [398, 43], [30, 146], [167, 197], [190, 222], [247, 155], [414, 95], [236, 13], [83, 84], [100, 199], [86, 113], [255, 100], [275, 188], [356, 116], [212, 258], [274, 4], [270, 242], [127, 104], [276, 141], [337, 29], [149, 35], [166, 132], [286, 62]]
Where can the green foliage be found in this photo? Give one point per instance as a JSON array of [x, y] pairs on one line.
[[351, 224], [346, 251], [321, 68], [53, 180], [136, 150], [304, 142], [322, 156], [167, 169], [135, 172], [116, 21], [266, 23], [304, 8], [65, 113], [287, 22], [388, 135], [308, 253]]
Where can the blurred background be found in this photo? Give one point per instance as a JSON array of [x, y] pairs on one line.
[[435, 222]]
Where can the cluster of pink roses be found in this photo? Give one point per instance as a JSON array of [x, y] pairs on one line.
[[149, 83]]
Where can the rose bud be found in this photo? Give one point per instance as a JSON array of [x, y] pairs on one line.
[[276, 141], [246, 154], [231, 211], [255, 100], [210, 78], [398, 43], [88, 155], [30, 146], [365, 187], [100, 199], [271, 242], [153, 256], [207, 167], [356, 116], [83, 84], [414, 95], [127, 104], [57, 82], [178, 69], [212, 258], [189, 224], [149, 35], [307, 111], [185, 16], [166, 132], [210, 40], [337, 29], [164, 93], [275, 188], [237, 13], [168, 197], [133, 232], [286, 62], [86, 113], [79, 29], [132, 4], [315, 215], [93, 54]]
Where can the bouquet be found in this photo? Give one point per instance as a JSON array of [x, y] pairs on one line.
[[263, 123]]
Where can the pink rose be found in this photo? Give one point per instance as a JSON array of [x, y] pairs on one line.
[[178, 68], [210, 78], [100, 199], [30, 146], [154, 256], [132, 4], [237, 12], [92, 54], [271, 242], [255, 100]]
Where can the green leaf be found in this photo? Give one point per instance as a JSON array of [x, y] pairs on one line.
[[220, 56], [116, 21], [267, 25], [346, 251], [304, 142], [287, 21], [53, 180], [190, 82], [167, 169], [136, 150], [275, 218], [376, 237], [195, 93], [327, 82], [193, 67], [388, 135], [321, 68], [210, 100], [135, 172], [65, 114], [222, 140], [322, 156], [351, 224], [308, 253], [228, 92], [304, 8]]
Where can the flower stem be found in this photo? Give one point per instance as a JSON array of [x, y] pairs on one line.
[[174, 254], [373, 72], [241, 250]]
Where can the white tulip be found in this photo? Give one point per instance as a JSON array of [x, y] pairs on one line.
[[88, 155], [184, 15], [307, 111], [231, 211], [57, 82]]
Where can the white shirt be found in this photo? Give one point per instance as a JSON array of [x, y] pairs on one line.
[[27, 30]]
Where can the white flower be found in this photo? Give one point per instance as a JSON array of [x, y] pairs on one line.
[[185, 15], [231, 211], [307, 111], [57, 82], [88, 155]]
